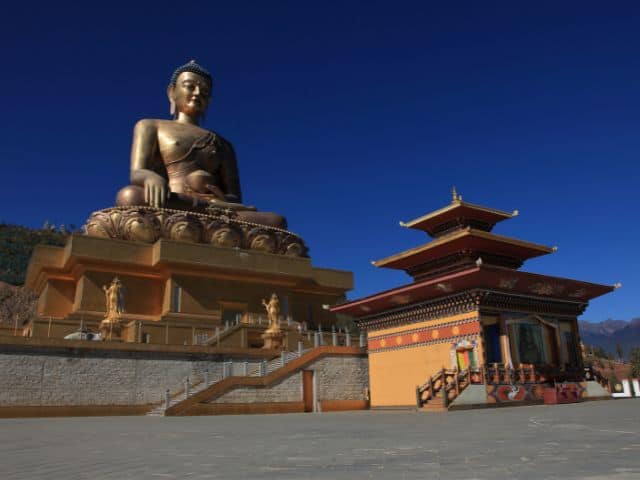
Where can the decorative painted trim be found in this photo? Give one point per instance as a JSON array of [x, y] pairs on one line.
[[472, 318], [471, 300], [502, 301], [568, 392], [467, 329], [423, 311], [471, 338]]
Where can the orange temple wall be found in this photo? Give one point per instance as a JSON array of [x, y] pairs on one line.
[[401, 358]]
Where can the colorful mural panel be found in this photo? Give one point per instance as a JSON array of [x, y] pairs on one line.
[[569, 392]]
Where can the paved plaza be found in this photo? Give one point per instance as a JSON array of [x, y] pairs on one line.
[[594, 440]]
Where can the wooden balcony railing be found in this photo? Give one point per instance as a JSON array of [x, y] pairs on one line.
[[496, 374], [448, 384]]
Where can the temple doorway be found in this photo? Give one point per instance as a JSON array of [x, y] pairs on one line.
[[465, 355], [466, 358], [307, 390]]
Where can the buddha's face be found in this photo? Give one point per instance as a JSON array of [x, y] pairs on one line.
[[190, 94]]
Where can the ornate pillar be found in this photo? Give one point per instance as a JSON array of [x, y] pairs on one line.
[[504, 342]]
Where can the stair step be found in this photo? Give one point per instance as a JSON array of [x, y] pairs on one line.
[[441, 409], [253, 371]]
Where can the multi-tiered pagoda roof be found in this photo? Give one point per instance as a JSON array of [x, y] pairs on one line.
[[465, 255]]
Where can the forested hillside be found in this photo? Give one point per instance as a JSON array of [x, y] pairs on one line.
[[16, 245]]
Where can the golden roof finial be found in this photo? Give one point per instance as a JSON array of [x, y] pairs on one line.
[[454, 195]]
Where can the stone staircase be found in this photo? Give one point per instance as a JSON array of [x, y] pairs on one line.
[[443, 388], [257, 378], [237, 369], [275, 364], [159, 410], [230, 369], [436, 404], [220, 335]]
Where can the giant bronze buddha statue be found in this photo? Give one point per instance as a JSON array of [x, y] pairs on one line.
[[177, 164], [185, 184]]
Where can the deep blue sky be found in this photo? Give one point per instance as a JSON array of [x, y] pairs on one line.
[[348, 117]]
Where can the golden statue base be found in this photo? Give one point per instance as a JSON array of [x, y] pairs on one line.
[[273, 340], [69, 281], [219, 227], [111, 330]]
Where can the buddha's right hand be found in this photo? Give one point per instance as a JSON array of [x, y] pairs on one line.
[[155, 190]]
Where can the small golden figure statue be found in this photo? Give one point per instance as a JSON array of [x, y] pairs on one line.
[[113, 298], [273, 312], [273, 337], [110, 327]]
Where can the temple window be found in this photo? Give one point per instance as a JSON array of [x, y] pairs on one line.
[[231, 316], [310, 322], [176, 298], [571, 348], [492, 343], [527, 343], [533, 340], [232, 312]]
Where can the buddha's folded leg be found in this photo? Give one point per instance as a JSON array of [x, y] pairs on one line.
[[133, 196], [130, 196]]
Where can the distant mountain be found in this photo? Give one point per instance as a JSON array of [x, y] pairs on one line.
[[608, 327], [610, 333]]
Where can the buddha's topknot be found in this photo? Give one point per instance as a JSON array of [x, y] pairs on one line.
[[192, 67]]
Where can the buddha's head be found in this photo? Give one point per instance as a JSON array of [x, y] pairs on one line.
[[189, 91]]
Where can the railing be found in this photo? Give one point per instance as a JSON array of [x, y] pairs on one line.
[[337, 338], [448, 383], [499, 374], [294, 363], [245, 368], [311, 338]]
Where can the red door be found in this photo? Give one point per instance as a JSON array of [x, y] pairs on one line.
[[307, 390]]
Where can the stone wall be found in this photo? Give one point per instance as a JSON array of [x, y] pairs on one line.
[[288, 390], [341, 378], [43, 376], [69, 377], [337, 377]]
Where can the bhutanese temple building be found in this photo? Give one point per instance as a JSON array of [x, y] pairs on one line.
[[471, 316]]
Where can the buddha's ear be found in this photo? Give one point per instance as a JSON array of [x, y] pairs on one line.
[[170, 92], [172, 102]]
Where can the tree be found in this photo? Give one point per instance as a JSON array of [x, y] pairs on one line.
[[17, 305], [619, 351], [17, 244]]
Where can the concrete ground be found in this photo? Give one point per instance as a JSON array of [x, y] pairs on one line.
[[594, 440]]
